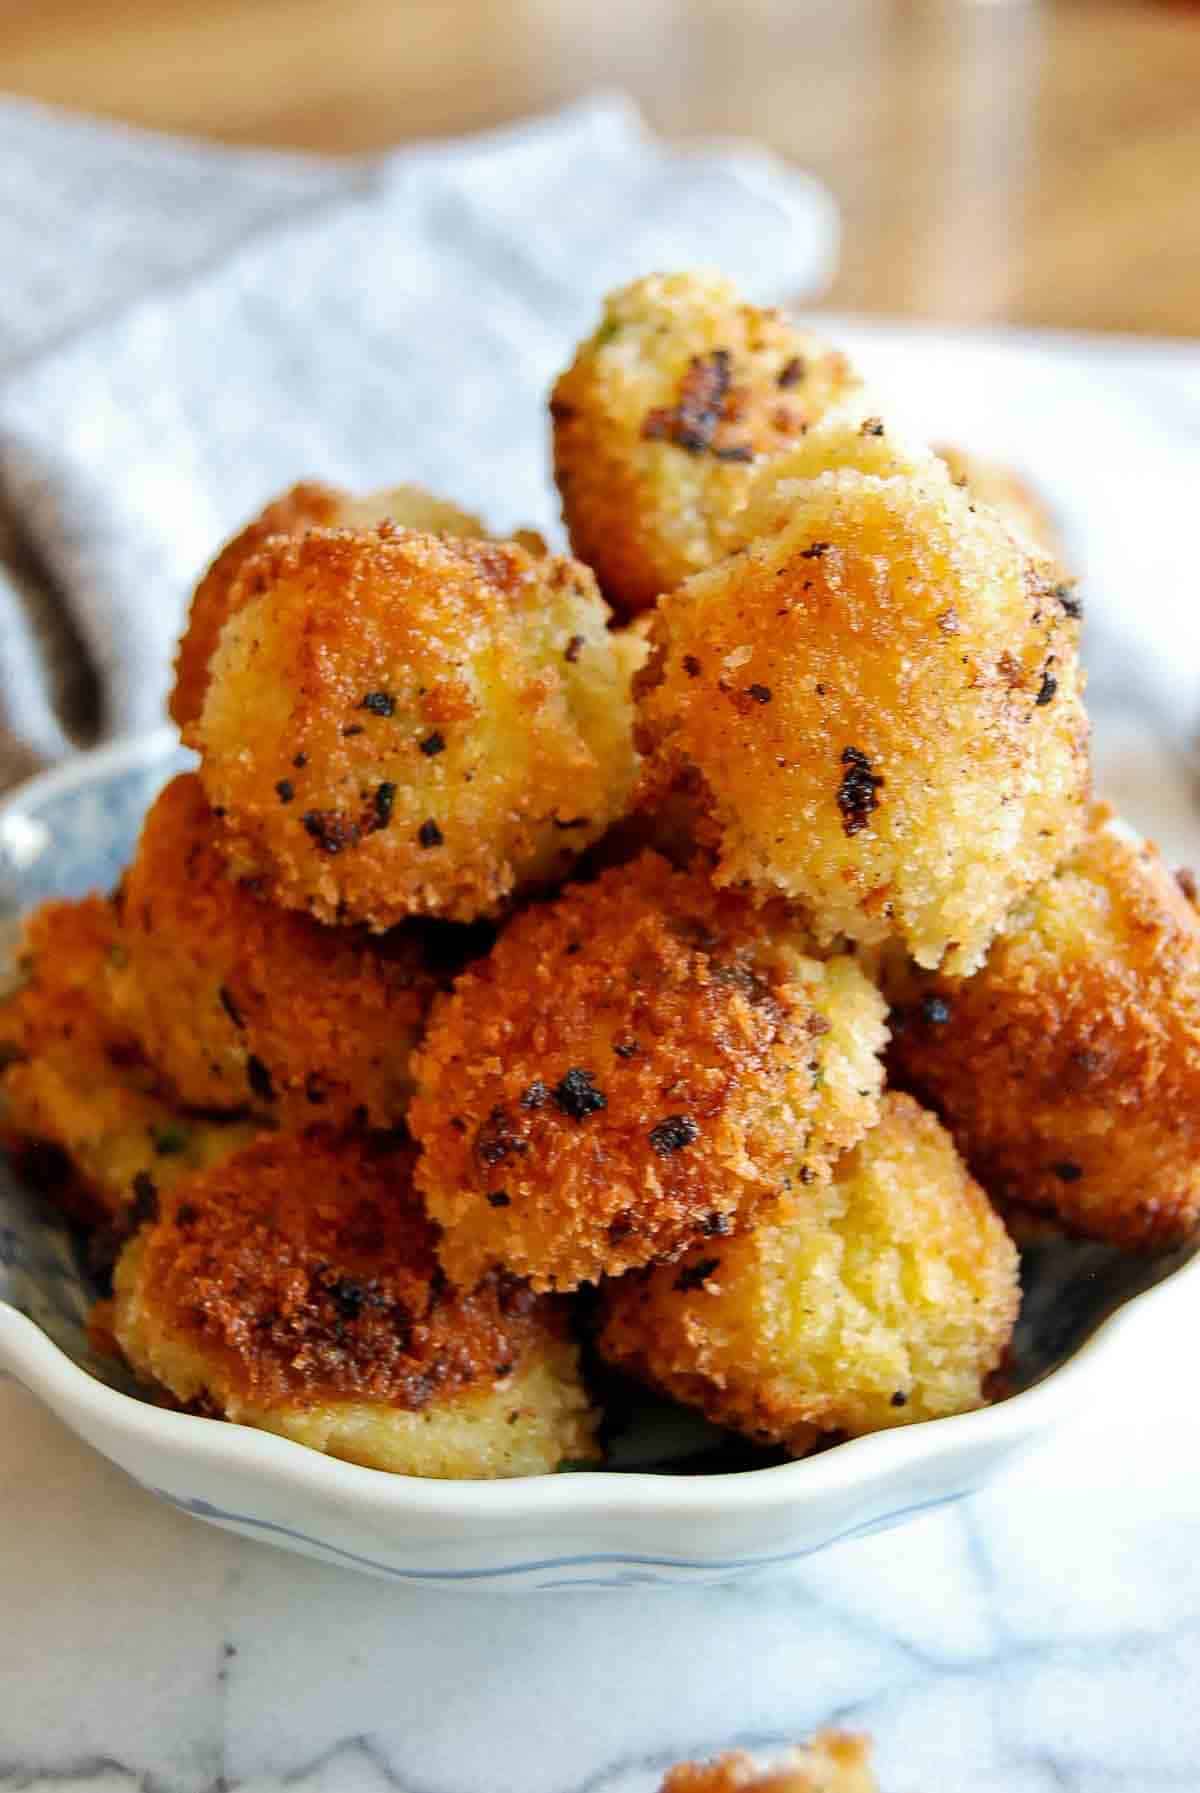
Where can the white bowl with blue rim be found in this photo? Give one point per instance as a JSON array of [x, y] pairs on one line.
[[678, 1502]]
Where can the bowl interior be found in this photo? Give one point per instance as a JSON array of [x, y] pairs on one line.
[[74, 830]]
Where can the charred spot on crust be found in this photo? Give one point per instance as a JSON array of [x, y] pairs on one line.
[[815, 550], [716, 1225], [791, 373], [1066, 1171], [259, 1078], [429, 834], [331, 831], [856, 797], [229, 1004], [299, 760], [1047, 689], [577, 1096], [694, 1276], [433, 744], [495, 1141], [285, 790], [379, 703], [692, 422], [536, 1096], [385, 796], [672, 1134], [498, 1198], [760, 693], [935, 1010], [691, 666], [1064, 591]]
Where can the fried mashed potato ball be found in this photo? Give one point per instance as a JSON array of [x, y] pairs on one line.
[[834, 1762], [1069, 1067], [403, 724], [1007, 492], [243, 1005], [661, 418], [884, 1297], [297, 1289], [849, 438], [642, 1063], [879, 708], [307, 506], [83, 1114]]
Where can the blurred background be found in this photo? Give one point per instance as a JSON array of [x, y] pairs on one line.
[[994, 160]]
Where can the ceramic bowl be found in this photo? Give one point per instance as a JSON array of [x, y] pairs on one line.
[[679, 1501]]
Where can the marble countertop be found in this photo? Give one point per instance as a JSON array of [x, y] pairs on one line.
[[1043, 1635]]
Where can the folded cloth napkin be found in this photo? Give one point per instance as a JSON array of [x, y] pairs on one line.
[[186, 331]]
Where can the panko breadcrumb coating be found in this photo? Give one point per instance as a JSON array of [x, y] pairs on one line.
[[403, 724], [642, 1063], [884, 1297], [662, 416], [1069, 1067], [297, 1289], [242, 1005], [1007, 492], [849, 438], [833, 1762], [880, 708], [83, 1114], [307, 506]]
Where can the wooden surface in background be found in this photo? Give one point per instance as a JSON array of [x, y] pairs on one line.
[[993, 159]]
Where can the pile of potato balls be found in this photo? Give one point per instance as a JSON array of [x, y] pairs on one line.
[[715, 925]]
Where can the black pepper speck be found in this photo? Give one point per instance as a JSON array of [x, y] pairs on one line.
[[576, 1094], [671, 1135], [380, 703]]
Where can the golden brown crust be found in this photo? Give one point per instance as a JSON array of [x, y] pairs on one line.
[[243, 1005], [87, 1119], [886, 1298], [636, 1065], [305, 507], [1069, 1067], [880, 707], [834, 1762], [304, 1269], [222, 590], [660, 421], [404, 724]]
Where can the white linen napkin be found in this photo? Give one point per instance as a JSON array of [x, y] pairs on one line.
[[199, 329]]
